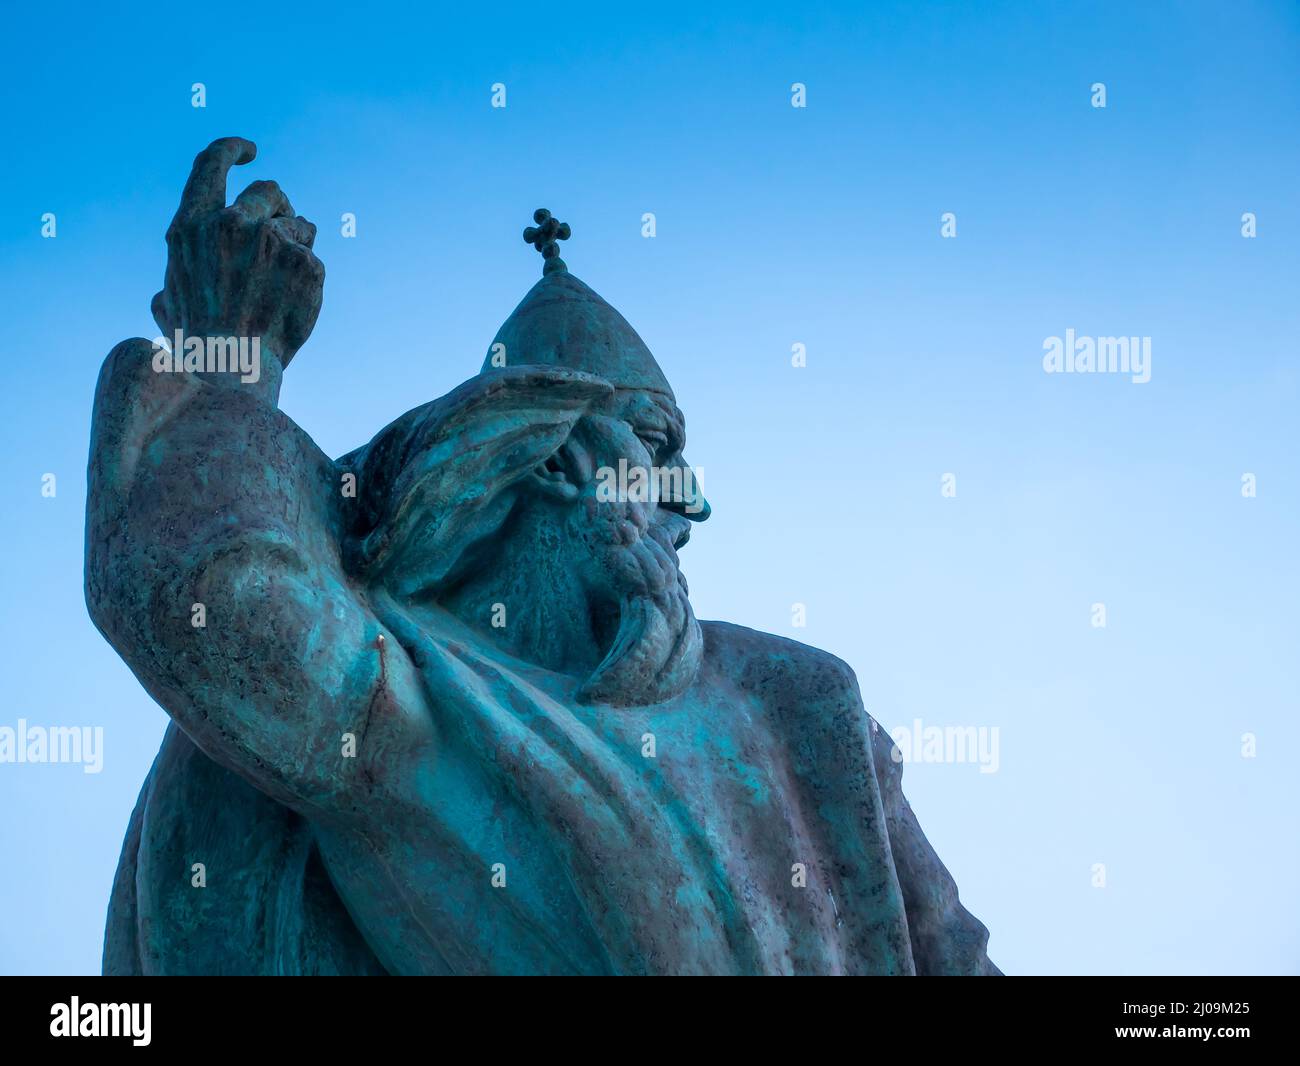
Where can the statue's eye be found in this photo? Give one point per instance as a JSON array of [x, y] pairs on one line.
[[654, 439]]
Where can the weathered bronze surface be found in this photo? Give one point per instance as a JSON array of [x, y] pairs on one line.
[[442, 705]]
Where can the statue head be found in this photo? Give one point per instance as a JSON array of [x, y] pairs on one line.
[[555, 477]]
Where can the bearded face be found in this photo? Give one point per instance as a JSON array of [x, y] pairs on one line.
[[552, 491], [625, 546]]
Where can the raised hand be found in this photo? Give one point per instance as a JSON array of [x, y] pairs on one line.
[[246, 270]]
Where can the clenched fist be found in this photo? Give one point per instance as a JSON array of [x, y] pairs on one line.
[[246, 270]]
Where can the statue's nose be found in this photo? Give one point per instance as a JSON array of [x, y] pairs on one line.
[[689, 502]]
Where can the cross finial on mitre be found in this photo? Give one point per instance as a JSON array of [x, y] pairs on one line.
[[543, 237]]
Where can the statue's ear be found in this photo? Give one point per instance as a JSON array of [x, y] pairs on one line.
[[445, 475]]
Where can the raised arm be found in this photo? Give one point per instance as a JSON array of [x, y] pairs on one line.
[[226, 563], [213, 521]]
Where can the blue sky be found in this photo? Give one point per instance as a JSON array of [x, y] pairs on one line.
[[775, 226]]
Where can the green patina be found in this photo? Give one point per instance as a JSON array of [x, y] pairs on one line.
[[411, 736]]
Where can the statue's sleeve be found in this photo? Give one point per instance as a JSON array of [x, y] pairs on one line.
[[213, 568], [947, 940]]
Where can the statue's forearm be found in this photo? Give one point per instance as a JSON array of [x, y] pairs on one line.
[[212, 567], [290, 684]]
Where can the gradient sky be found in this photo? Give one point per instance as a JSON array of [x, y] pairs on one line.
[[775, 226]]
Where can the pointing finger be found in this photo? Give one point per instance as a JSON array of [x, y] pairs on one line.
[[206, 189]]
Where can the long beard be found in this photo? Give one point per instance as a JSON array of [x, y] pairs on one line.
[[657, 648]]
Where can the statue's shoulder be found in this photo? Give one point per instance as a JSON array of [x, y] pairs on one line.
[[133, 349], [127, 363], [142, 391], [777, 669]]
